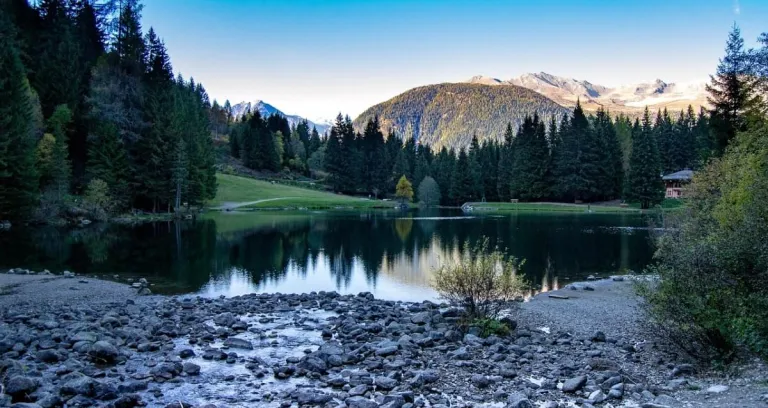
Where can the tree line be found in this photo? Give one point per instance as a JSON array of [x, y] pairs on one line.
[[581, 158], [93, 116]]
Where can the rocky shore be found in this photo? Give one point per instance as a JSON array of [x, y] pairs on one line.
[[74, 342]]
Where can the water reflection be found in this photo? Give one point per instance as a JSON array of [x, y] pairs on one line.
[[387, 253]]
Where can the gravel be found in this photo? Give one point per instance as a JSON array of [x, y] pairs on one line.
[[107, 346]]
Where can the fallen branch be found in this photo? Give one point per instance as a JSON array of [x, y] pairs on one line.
[[559, 297]]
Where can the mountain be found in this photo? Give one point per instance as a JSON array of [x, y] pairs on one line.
[[449, 114], [266, 109], [630, 98]]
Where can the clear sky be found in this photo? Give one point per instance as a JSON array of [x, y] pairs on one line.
[[317, 58]]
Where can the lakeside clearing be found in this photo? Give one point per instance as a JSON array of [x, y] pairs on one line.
[[601, 208], [235, 192]]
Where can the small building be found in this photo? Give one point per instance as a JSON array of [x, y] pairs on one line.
[[675, 183]]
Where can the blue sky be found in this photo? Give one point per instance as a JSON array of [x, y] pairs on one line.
[[317, 58]]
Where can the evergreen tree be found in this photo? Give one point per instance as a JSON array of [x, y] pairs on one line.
[[376, 168], [334, 160], [61, 167], [108, 161], [179, 172], [505, 165], [644, 184], [731, 92], [703, 135], [475, 170], [421, 169], [611, 166], [18, 176], [462, 189]]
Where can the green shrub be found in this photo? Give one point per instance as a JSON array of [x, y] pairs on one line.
[[483, 281], [711, 298], [491, 327]]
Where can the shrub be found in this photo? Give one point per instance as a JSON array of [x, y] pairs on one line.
[[429, 192], [711, 298], [491, 327], [483, 281]]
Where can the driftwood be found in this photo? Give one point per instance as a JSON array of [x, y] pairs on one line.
[[559, 297]]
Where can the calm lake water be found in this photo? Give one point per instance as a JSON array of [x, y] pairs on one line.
[[390, 254]]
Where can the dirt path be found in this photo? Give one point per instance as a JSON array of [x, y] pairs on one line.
[[234, 205]]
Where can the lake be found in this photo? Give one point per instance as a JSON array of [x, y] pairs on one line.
[[391, 254]]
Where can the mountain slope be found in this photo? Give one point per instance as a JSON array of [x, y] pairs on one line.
[[630, 98], [266, 109], [449, 114]]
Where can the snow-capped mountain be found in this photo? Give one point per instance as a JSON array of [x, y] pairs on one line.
[[627, 98], [265, 109]]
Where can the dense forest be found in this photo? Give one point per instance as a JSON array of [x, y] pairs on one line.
[[93, 120]]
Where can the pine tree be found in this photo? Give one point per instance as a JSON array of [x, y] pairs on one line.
[[61, 167], [644, 185], [475, 170], [18, 176], [505, 165], [731, 92], [334, 160], [703, 134], [611, 166], [108, 161], [179, 172], [462, 190]]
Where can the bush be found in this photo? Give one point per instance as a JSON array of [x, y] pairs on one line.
[[483, 281], [491, 327], [429, 192], [711, 299]]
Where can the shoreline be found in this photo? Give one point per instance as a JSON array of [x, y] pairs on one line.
[[324, 349]]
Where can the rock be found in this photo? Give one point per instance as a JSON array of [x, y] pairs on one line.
[[597, 397], [68, 274], [79, 384], [237, 343], [683, 369], [386, 351], [385, 383], [103, 351], [665, 400], [574, 384], [187, 353], [47, 356], [518, 400], [717, 389], [191, 368], [360, 402], [588, 288], [421, 318], [313, 398], [19, 387], [480, 381], [144, 292], [179, 404], [617, 278], [598, 337]]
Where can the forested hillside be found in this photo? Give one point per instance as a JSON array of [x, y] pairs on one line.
[[93, 119], [447, 115]]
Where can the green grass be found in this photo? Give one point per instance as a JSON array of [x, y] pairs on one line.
[[667, 204], [236, 189], [554, 207]]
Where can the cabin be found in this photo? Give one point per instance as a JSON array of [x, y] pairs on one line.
[[675, 183]]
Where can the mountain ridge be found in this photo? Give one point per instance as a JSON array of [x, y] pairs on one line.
[[449, 114], [266, 109], [630, 98]]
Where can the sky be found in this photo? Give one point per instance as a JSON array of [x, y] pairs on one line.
[[318, 58]]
